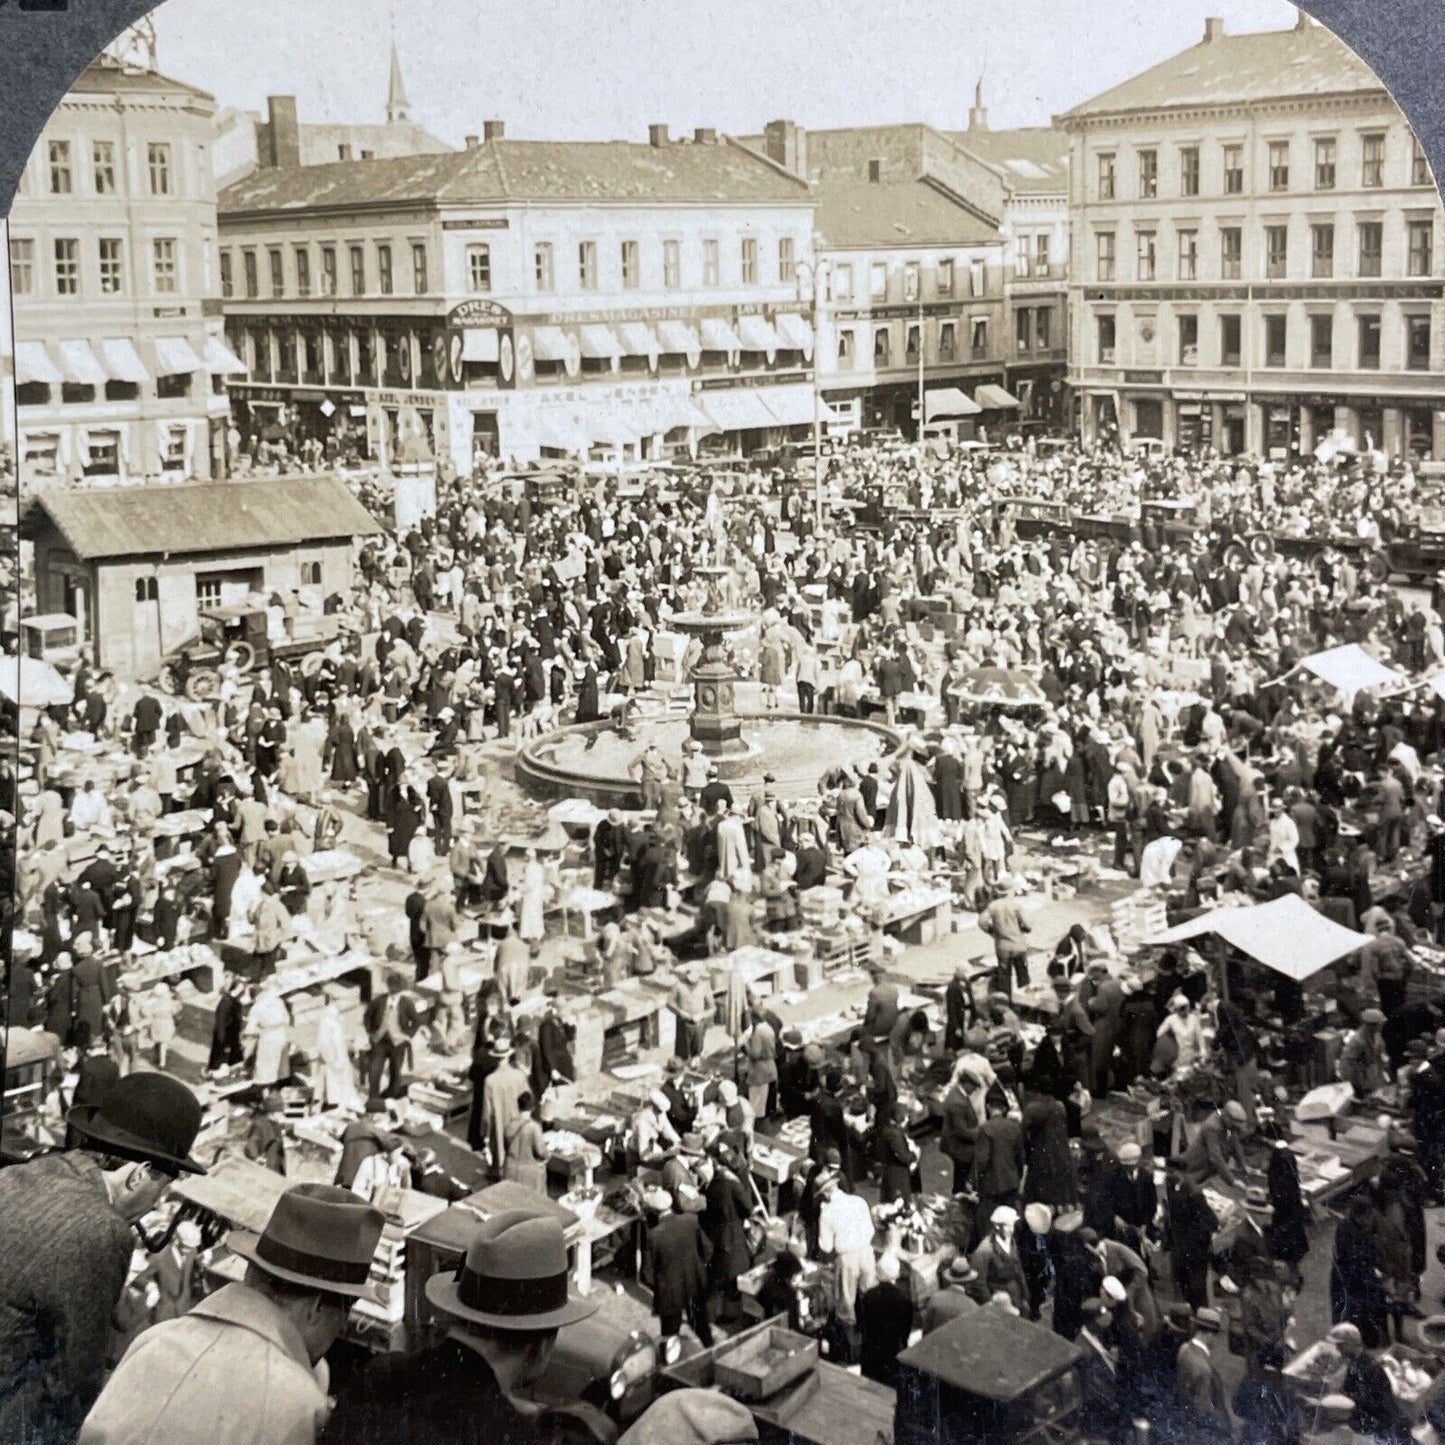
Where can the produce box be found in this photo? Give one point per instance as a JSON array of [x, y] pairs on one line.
[[764, 1363]]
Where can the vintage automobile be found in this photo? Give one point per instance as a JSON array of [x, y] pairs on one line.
[[53, 637], [238, 637], [30, 1057]]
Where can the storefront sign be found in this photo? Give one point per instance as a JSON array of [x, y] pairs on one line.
[[407, 398], [735, 383], [1143, 378], [478, 223], [620, 314], [479, 313]]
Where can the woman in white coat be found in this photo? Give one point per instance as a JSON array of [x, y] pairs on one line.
[[269, 1025], [338, 1076], [532, 900]]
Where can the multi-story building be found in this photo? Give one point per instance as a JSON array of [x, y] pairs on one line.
[[7, 352], [1257, 248], [120, 366], [524, 298]]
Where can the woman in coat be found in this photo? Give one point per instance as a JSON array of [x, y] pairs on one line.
[[407, 818], [1051, 1178], [726, 1208], [526, 1158], [1287, 1234], [893, 1154], [1357, 1285], [340, 753], [269, 1024]]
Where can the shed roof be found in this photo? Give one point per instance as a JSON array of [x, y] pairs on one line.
[[879, 214], [205, 516], [1030, 160], [993, 1354]]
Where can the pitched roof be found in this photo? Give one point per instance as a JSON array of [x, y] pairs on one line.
[[501, 171], [1031, 160], [205, 516], [107, 76], [1307, 60], [320, 144], [856, 214]]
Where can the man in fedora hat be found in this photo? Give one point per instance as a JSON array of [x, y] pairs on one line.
[[66, 1223], [241, 1366], [958, 1286], [505, 1303]]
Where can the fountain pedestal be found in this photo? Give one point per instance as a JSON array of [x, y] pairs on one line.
[[715, 723]]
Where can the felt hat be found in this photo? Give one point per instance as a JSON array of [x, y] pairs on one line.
[[317, 1235], [959, 1270], [512, 1277], [151, 1118], [693, 1417], [690, 1146]]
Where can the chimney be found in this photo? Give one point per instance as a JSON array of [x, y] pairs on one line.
[[786, 144], [344, 151], [657, 136], [704, 135], [473, 141], [283, 131], [1213, 29], [494, 129]]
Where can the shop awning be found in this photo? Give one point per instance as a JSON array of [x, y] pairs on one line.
[[559, 431], [794, 332], [222, 361], [1350, 669], [600, 343], [30, 682], [717, 335], [33, 365], [78, 364], [607, 425], [758, 335], [551, 343], [175, 356], [792, 405], [684, 411], [678, 338], [639, 339], [738, 410], [1285, 935], [481, 344], [993, 398], [122, 360], [948, 401]]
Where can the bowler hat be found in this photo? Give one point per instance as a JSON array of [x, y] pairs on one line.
[[513, 1277], [151, 1118], [318, 1234]]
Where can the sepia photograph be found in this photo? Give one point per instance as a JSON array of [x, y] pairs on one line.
[[726, 725]]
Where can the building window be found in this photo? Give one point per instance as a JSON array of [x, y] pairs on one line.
[[912, 345], [1419, 165], [1276, 252], [631, 266], [22, 267], [1042, 328], [1372, 161], [228, 281], [311, 574], [1325, 163], [385, 282], [1148, 175], [357, 255], [749, 257], [1107, 338], [328, 271], [1189, 171], [1322, 251], [67, 268], [587, 265], [1372, 246], [1279, 165], [845, 348], [1322, 342], [146, 589], [1107, 180], [1234, 170], [787, 260], [1147, 249], [158, 163], [881, 348], [1107, 259], [1231, 253], [102, 167], [911, 276], [253, 282], [1188, 255], [303, 271], [208, 592], [1023, 329], [102, 453], [419, 285], [479, 268], [944, 276], [1041, 253], [1417, 343], [277, 266], [947, 340], [1188, 340], [1275, 333], [977, 279], [1422, 247], [60, 177], [1369, 343], [978, 339], [1229, 341], [542, 269], [711, 261], [1023, 258], [840, 284], [878, 281], [112, 277]]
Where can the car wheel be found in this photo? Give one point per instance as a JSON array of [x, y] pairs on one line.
[[202, 684], [241, 656]]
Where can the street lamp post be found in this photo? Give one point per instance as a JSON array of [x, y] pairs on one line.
[[814, 275]]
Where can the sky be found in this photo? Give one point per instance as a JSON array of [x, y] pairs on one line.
[[607, 69]]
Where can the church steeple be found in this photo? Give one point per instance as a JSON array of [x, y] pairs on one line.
[[398, 107], [978, 115]]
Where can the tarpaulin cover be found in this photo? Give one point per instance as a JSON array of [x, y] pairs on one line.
[[1286, 935], [1350, 668], [33, 683]]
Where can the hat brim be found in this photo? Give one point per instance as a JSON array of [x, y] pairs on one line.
[[442, 1291], [243, 1242], [85, 1121]]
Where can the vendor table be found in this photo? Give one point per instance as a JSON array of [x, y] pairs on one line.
[[755, 965], [153, 968], [919, 915], [331, 865], [587, 902], [188, 823], [295, 975], [235, 1190], [774, 1162], [620, 1024]]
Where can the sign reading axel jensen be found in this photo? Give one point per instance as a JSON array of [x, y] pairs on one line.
[[478, 313]]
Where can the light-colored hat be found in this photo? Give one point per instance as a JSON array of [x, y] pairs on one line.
[[727, 1091], [658, 1199], [1004, 1214], [1130, 1153], [889, 1268], [1235, 1110], [1114, 1289], [1038, 1217]]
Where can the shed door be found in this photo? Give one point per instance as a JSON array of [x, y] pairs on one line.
[[146, 647]]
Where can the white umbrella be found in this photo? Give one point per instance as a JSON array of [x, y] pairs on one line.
[[33, 683]]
